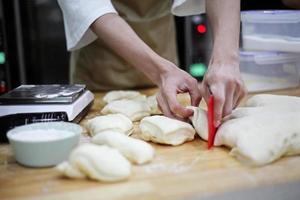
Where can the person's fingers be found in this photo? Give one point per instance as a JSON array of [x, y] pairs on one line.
[[236, 97], [175, 107], [204, 92], [163, 105], [219, 100], [240, 93], [194, 92], [243, 93], [228, 105]]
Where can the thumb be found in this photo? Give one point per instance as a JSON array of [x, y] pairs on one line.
[[204, 92], [195, 96]]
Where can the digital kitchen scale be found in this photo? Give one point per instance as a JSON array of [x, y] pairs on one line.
[[43, 103]]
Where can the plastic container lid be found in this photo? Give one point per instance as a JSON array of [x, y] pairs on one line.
[[271, 16], [268, 57]]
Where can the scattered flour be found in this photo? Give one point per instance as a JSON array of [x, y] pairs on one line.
[[170, 167]]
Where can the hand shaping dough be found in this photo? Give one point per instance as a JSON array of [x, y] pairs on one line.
[[165, 130], [261, 139], [152, 103], [114, 122], [123, 94], [135, 150], [134, 110], [96, 162], [199, 121], [269, 99]]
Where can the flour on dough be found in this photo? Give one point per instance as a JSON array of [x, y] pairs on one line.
[[123, 94], [199, 121], [100, 163], [257, 135], [152, 103], [164, 130], [275, 109], [261, 139], [114, 122], [269, 99], [135, 150], [135, 110]]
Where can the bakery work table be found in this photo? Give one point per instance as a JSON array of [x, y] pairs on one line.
[[180, 172]]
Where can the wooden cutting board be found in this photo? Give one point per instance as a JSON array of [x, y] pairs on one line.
[[176, 173]]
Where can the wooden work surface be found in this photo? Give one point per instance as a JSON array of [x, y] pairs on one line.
[[176, 173]]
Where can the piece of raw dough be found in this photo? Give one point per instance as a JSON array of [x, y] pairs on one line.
[[96, 162], [199, 121], [114, 122], [152, 103], [257, 135], [270, 99], [165, 130], [123, 94], [67, 170], [199, 118], [133, 109], [261, 139], [135, 150], [275, 109]]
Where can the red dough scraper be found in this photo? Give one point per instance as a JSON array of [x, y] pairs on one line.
[[210, 120]]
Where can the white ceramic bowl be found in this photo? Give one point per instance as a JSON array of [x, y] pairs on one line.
[[43, 151]]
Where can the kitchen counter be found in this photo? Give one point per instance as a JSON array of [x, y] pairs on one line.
[[180, 172]]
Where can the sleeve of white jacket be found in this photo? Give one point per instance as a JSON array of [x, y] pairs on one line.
[[78, 16], [188, 7]]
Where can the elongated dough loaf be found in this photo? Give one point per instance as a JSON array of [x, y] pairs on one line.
[[152, 103], [70, 171], [199, 121], [134, 110], [100, 163], [114, 122], [123, 94], [135, 150], [165, 130]]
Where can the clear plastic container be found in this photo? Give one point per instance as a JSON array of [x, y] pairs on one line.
[[263, 71], [274, 30]]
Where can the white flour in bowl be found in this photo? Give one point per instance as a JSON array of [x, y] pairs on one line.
[[40, 135]]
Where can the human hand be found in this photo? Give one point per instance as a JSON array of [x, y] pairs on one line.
[[172, 82], [168, 77], [227, 86]]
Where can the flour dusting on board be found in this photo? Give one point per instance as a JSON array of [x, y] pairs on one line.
[[175, 168], [161, 167]]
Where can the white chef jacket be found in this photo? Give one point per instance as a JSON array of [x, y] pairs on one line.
[[80, 14]]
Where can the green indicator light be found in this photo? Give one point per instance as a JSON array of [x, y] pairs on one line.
[[2, 57], [197, 69]]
